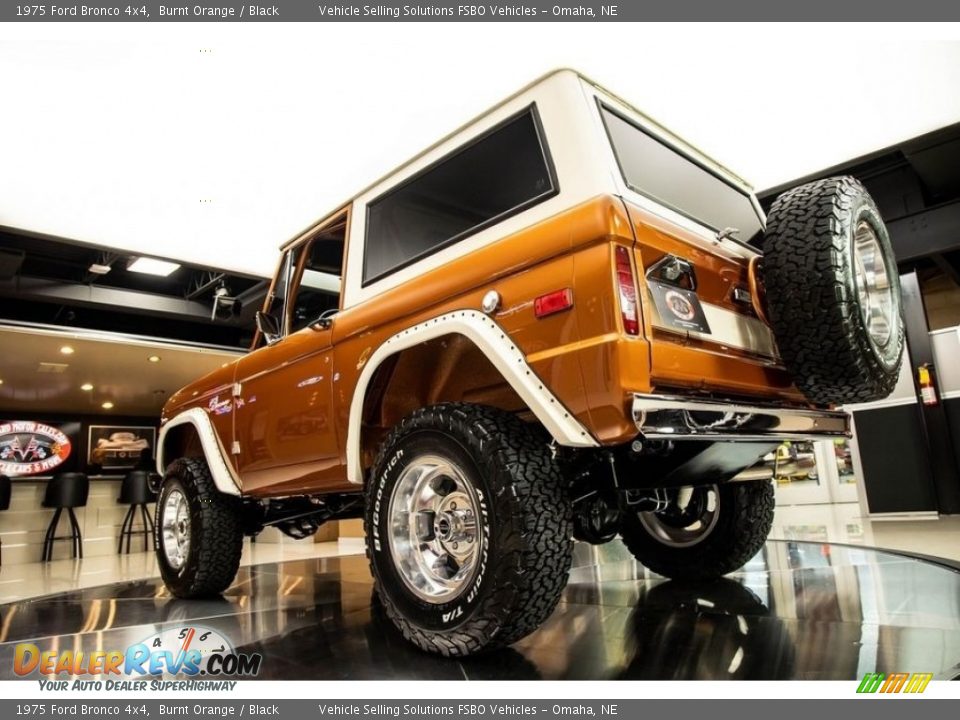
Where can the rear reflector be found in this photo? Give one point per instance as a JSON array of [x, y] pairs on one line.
[[553, 302], [627, 289]]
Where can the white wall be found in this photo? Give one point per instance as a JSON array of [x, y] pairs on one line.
[[215, 143]]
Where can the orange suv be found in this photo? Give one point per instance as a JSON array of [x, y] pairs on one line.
[[559, 322]]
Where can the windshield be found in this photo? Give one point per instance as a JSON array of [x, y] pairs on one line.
[[653, 168]]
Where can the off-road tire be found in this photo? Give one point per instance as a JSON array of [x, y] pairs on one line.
[[811, 293], [744, 518], [216, 533], [525, 523]]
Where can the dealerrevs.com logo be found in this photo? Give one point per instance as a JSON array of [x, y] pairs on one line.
[[894, 682], [190, 652]]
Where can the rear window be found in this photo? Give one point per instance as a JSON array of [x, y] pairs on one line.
[[653, 168], [503, 172]]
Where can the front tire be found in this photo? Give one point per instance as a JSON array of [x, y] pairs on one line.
[[197, 535], [706, 532], [468, 529]]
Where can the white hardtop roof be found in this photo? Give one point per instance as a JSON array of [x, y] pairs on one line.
[[651, 122]]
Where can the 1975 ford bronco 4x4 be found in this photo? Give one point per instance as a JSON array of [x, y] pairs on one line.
[[560, 322]]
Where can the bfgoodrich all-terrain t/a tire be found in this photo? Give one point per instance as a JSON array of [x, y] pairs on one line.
[[468, 529], [833, 292], [198, 536], [707, 531]]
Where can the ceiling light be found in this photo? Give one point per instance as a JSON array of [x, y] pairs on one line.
[[52, 368], [150, 266], [86, 387], [98, 269], [154, 358], [1, 381], [107, 405], [66, 350]]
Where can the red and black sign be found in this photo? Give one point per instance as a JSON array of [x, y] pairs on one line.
[[678, 307], [31, 448]]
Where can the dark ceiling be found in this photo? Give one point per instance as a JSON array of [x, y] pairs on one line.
[[49, 281]]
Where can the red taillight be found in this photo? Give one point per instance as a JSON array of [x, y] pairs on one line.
[[553, 302], [627, 288]]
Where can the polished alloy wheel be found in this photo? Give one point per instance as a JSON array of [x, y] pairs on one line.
[[175, 529], [874, 289], [687, 520], [434, 535]]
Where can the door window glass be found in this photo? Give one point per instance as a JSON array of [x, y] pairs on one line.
[[318, 266]]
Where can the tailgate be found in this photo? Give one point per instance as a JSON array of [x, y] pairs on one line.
[[707, 336]]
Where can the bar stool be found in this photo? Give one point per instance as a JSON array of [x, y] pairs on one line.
[[65, 491], [4, 503], [136, 492]]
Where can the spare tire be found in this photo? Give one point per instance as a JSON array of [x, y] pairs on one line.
[[833, 292]]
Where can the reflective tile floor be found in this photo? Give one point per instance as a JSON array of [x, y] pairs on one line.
[[799, 610], [30, 580]]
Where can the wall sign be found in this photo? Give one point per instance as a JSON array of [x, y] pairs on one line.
[[31, 448]]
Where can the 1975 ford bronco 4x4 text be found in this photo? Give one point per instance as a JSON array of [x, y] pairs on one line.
[[560, 322]]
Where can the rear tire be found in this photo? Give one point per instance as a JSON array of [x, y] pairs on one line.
[[833, 292], [468, 529], [716, 532], [197, 534]]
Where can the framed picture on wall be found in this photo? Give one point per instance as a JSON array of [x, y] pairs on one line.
[[119, 446]]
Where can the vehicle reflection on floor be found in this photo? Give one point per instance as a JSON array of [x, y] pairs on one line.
[[797, 611]]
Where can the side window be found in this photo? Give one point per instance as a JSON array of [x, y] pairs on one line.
[[317, 266], [500, 174]]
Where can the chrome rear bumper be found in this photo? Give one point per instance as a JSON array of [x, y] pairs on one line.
[[666, 417]]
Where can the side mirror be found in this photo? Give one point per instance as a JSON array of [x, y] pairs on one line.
[[268, 326]]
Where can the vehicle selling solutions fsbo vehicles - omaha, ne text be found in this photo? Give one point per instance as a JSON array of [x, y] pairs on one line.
[[561, 321]]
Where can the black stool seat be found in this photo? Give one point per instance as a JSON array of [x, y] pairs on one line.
[[136, 492], [65, 491], [4, 503]]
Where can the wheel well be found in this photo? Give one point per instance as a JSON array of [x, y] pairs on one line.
[[181, 441], [450, 368]]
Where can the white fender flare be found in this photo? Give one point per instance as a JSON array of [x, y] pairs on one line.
[[506, 357], [221, 471]]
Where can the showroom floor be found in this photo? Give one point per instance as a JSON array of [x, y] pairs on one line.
[[843, 523], [839, 523], [799, 610], [36, 579]]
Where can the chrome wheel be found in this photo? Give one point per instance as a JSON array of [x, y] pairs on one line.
[[434, 534], [687, 520], [874, 289], [175, 529]]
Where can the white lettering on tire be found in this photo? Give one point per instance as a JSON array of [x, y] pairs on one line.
[[379, 498]]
